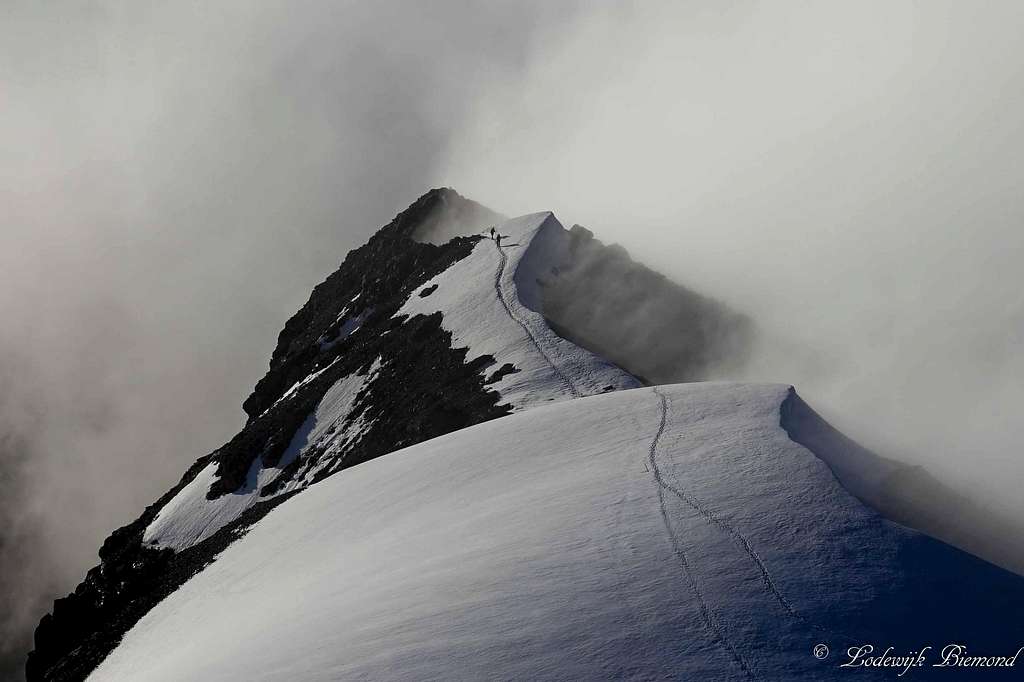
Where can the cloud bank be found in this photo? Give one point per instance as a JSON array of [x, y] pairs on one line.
[[847, 174]]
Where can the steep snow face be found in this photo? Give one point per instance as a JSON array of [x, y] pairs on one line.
[[190, 518], [490, 302], [667, 533]]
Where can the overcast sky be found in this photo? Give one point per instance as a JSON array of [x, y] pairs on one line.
[[175, 178]]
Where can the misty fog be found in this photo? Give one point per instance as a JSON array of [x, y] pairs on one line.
[[847, 174], [176, 179]]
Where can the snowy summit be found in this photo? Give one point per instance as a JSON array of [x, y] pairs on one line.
[[464, 463]]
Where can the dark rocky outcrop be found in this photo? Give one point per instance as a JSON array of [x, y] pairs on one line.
[[501, 372], [424, 388], [387, 268]]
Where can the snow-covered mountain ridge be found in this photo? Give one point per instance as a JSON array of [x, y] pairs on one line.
[[370, 364], [418, 342], [495, 325]]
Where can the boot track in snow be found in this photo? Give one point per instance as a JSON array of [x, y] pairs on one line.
[[533, 339], [715, 520], [705, 611]]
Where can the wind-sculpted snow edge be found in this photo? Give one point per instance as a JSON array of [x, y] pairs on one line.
[[906, 494]]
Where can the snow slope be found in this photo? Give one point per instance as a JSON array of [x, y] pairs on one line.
[[490, 303], [667, 533], [189, 518]]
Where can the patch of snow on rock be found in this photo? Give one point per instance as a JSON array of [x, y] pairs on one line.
[[189, 518]]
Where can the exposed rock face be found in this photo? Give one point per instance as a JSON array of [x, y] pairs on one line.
[[423, 388], [388, 267]]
